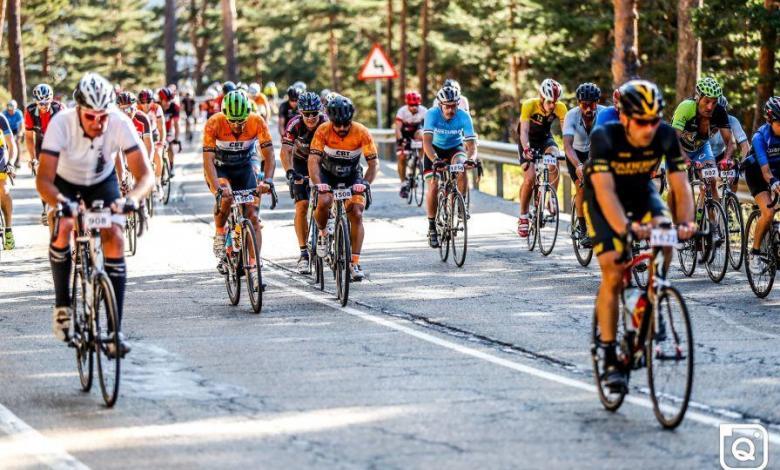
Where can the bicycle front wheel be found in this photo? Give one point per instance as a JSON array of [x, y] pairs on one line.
[[419, 193], [583, 255], [232, 276], [611, 400], [343, 258], [411, 179], [442, 225], [166, 182], [106, 335], [250, 257], [533, 210], [669, 353], [547, 219], [718, 244], [760, 269], [458, 229], [687, 254], [736, 236], [131, 233], [82, 333]]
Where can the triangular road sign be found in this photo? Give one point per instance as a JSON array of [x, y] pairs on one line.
[[377, 65]]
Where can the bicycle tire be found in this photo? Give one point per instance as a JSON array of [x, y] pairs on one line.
[[343, 257], [82, 333], [688, 257], [654, 353], [736, 231], [166, 182], [109, 379], [232, 262], [761, 285], [458, 229], [611, 401], [150, 203], [131, 233], [582, 258], [442, 222], [420, 183], [411, 180], [533, 211], [548, 221], [717, 262], [249, 240]]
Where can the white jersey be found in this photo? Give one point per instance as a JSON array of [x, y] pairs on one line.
[[409, 120], [84, 161], [737, 135], [574, 125], [463, 103]]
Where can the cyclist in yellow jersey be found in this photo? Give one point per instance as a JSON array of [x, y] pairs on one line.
[[536, 118]]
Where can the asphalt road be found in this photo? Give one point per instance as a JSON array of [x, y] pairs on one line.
[[429, 366]]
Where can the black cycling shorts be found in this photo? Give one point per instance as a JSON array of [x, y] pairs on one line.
[[542, 144], [755, 178], [583, 157], [240, 177], [301, 190], [605, 239], [106, 190], [444, 154], [333, 181]]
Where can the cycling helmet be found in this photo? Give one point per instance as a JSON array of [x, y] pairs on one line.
[[165, 94], [293, 93], [772, 109], [413, 98], [451, 83], [709, 87], [212, 94], [448, 94], [324, 93], [242, 86], [43, 92], [309, 101], [641, 99], [125, 98], [235, 106], [340, 110], [254, 89], [588, 92], [550, 90], [330, 96], [145, 96], [723, 102], [94, 92], [227, 87], [299, 85], [12, 104]]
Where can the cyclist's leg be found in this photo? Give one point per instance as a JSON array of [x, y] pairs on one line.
[[459, 156], [6, 202], [433, 186], [529, 178], [301, 193], [354, 208], [324, 202], [401, 162], [60, 260], [158, 161], [762, 194], [551, 148]]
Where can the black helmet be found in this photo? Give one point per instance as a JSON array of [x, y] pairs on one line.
[[588, 92], [641, 99], [293, 93], [227, 87], [125, 98], [772, 109], [340, 110]]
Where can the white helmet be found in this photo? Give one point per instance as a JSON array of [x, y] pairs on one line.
[[448, 94], [254, 88], [43, 92], [94, 92], [452, 83], [550, 90], [212, 94]]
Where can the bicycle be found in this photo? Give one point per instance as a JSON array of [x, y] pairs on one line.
[[94, 318], [734, 218], [451, 218], [715, 260], [166, 171], [414, 173], [132, 223], [584, 254], [651, 335], [543, 208], [763, 278]]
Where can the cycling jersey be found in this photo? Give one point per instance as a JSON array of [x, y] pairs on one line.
[[463, 103], [298, 136], [609, 114], [410, 122], [737, 133], [287, 112], [170, 113], [766, 147], [84, 161], [141, 123], [188, 103], [37, 120], [231, 149], [540, 122], [15, 120], [261, 102], [574, 126], [6, 130], [686, 120], [448, 134], [341, 155]]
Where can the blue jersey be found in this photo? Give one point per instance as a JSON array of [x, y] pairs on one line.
[[15, 120], [448, 134], [607, 115], [766, 147]]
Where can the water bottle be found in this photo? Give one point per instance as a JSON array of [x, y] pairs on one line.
[[235, 238], [229, 241], [631, 297], [699, 216]]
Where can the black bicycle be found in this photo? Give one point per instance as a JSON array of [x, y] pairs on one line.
[[583, 253], [544, 212], [734, 218], [95, 320], [167, 167], [761, 270], [451, 216]]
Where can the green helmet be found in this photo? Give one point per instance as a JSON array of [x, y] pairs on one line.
[[709, 87], [235, 106]]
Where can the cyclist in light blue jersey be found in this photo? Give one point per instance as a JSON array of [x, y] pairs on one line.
[[610, 113], [448, 137]]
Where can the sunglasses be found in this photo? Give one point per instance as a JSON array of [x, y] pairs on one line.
[[310, 114], [44, 103], [240, 122], [99, 117], [341, 126], [128, 109], [647, 122], [588, 104]]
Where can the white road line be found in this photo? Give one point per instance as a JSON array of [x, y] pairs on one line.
[[22, 442], [499, 361]]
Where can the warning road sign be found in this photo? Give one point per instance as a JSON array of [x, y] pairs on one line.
[[377, 66]]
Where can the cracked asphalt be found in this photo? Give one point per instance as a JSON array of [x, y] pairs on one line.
[[429, 366]]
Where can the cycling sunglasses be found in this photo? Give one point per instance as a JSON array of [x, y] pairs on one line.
[[237, 122], [588, 104], [99, 117], [310, 114], [647, 122], [342, 126]]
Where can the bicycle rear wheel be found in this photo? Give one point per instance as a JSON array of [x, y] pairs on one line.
[[82, 333], [107, 347], [761, 273], [411, 179], [442, 225], [532, 214], [687, 254], [609, 399], [343, 257], [547, 219], [736, 236], [166, 182], [669, 354], [252, 271], [583, 255], [232, 262], [458, 229], [717, 245], [150, 203]]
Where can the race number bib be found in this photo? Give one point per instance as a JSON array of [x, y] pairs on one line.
[[663, 237], [243, 197], [456, 168], [550, 160], [709, 173], [728, 174], [342, 194], [416, 144], [97, 220]]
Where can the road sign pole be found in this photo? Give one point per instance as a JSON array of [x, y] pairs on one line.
[[378, 103]]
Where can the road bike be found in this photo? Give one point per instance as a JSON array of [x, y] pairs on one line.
[[762, 269], [734, 218], [583, 253], [451, 217], [544, 212], [167, 167], [414, 173]]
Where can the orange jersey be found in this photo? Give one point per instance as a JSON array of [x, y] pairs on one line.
[[341, 156], [232, 149]]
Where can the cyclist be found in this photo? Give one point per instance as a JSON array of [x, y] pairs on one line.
[[762, 169], [698, 119], [335, 158], [8, 152], [446, 130], [620, 197], [211, 105], [128, 104], [272, 93], [230, 142], [719, 146], [227, 87], [156, 117], [36, 120], [15, 118], [288, 109], [171, 112], [463, 102], [294, 156], [324, 97], [577, 125], [610, 113], [188, 104], [536, 118], [301, 86], [408, 123], [260, 100], [75, 159]]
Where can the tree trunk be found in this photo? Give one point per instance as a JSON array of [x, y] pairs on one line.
[[169, 33], [402, 57], [766, 62], [686, 50], [389, 91], [2, 19], [15, 53], [333, 52], [229, 38], [625, 59], [514, 58], [199, 43], [422, 58]]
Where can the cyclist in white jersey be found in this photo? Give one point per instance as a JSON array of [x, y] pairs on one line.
[[463, 102], [77, 158]]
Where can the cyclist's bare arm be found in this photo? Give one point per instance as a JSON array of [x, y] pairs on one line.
[[314, 168], [138, 164], [730, 146], [29, 142], [286, 157], [44, 181], [744, 148], [148, 143], [607, 198], [524, 126], [428, 147], [176, 128], [371, 172], [210, 170], [398, 125], [568, 147], [161, 129], [269, 161], [471, 149], [10, 144]]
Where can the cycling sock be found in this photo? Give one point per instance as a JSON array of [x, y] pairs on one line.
[[304, 251], [523, 216], [754, 251], [117, 272], [61, 261], [431, 224], [355, 258], [581, 221], [610, 355], [8, 230], [221, 230]]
